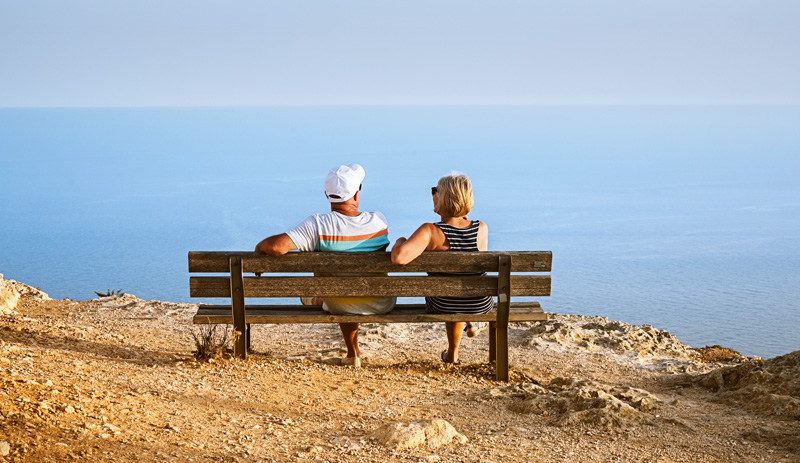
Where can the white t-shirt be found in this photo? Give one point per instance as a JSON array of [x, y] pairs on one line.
[[369, 231]]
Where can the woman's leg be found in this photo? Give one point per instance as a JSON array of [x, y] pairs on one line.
[[454, 331]]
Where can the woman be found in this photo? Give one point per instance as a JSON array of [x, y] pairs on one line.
[[452, 200]]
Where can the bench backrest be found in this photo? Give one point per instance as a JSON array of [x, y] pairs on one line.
[[508, 274]]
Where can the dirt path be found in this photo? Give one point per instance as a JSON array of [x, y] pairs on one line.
[[115, 380]]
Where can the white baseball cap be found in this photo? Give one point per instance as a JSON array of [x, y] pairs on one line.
[[344, 182]]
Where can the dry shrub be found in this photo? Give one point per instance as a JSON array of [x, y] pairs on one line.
[[211, 342]]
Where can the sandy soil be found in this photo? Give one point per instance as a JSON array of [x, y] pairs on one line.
[[114, 379]]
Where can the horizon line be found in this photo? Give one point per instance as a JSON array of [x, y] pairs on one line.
[[451, 105]]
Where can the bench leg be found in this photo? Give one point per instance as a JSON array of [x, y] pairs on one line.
[[503, 308], [240, 338], [247, 337], [502, 352], [237, 307], [492, 342]]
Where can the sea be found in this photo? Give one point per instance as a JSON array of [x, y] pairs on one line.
[[686, 218]]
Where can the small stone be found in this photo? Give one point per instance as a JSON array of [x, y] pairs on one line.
[[110, 427], [315, 450], [5, 448]]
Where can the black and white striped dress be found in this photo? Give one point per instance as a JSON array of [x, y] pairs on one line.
[[460, 239]]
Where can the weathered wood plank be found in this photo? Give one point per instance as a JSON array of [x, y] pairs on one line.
[[403, 313], [530, 285], [309, 262], [400, 286], [342, 287], [531, 306]]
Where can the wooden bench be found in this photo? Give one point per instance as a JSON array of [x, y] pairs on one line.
[[508, 275]]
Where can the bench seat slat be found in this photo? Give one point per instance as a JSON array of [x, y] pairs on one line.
[[402, 313], [400, 286], [309, 262]]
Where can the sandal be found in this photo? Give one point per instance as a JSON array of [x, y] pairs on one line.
[[473, 329], [354, 362], [444, 358]]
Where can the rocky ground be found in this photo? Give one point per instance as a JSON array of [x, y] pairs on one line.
[[115, 379]]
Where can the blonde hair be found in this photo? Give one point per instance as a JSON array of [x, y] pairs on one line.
[[455, 195]]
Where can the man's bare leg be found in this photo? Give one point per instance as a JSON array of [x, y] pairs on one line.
[[350, 333]]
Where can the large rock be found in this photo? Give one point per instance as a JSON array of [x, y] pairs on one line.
[[574, 402], [8, 297], [29, 292], [640, 345], [601, 335], [771, 387], [429, 433]]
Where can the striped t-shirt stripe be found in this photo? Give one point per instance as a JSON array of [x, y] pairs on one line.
[[377, 234], [373, 244]]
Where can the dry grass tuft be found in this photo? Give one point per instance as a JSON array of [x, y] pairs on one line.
[[211, 342]]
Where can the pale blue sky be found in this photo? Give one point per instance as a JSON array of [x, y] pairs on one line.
[[409, 52]]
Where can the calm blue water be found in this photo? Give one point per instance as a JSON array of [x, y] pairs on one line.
[[687, 218]]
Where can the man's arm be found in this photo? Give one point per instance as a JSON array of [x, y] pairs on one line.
[[276, 245]]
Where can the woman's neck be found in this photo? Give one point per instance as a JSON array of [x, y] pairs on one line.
[[456, 221]]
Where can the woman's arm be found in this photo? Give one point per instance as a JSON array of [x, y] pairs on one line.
[[423, 239]]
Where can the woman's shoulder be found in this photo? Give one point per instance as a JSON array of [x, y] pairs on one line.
[[482, 227], [433, 231]]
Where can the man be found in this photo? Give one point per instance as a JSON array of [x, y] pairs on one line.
[[345, 228]]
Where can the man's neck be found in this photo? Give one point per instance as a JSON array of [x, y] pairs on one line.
[[347, 208]]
